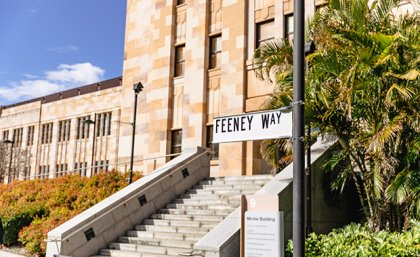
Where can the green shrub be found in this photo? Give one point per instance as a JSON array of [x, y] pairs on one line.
[[30, 209], [356, 240], [14, 219]]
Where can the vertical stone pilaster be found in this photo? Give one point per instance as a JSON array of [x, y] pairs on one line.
[[148, 59], [233, 83], [195, 86]]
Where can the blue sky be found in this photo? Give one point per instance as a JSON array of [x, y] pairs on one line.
[[48, 46]]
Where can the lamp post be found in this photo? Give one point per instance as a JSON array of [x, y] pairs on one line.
[[7, 141], [92, 122], [298, 129], [137, 87], [309, 49]]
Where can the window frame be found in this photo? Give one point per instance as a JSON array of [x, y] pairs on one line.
[[64, 130], [289, 23], [258, 29], [179, 61], [30, 136], [214, 147], [82, 129], [46, 133], [17, 137], [176, 147], [215, 52]]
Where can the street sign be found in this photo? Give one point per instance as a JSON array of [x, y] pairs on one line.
[[253, 126]]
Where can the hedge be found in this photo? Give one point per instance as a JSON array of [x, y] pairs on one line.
[[29, 209], [355, 240], [18, 217]]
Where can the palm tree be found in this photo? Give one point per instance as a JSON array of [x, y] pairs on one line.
[[273, 62], [362, 85]]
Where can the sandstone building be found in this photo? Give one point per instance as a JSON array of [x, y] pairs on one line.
[[194, 58], [51, 138]]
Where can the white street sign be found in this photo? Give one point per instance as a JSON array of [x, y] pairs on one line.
[[253, 126]]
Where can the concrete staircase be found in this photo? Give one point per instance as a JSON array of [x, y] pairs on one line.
[[177, 227]]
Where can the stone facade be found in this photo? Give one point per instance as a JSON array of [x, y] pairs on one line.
[[215, 80], [55, 139], [194, 58]]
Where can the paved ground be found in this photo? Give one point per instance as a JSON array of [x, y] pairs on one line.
[[7, 254]]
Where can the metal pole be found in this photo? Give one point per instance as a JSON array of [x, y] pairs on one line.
[[9, 179], [298, 129], [93, 146], [308, 184], [133, 138]]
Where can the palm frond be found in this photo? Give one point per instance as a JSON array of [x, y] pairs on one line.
[[272, 57], [385, 134], [378, 182]]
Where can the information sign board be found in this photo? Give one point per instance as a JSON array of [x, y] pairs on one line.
[[262, 234]]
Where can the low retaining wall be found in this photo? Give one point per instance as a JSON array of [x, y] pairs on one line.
[[96, 227]]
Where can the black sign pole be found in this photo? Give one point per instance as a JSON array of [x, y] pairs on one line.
[[298, 128]]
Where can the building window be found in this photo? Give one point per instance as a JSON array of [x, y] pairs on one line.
[[103, 124], [179, 2], [46, 133], [5, 135], [17, 137], [101, 166], [80, 168], [64, 130], [215, 51], [176, 142], [265, 32], [30, 137], [44, 171], [26, 173], [60, 170], [82, 130], [209, 143], [179, 61], [288, 27]]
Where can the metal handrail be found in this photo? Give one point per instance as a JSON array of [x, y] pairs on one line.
[[98, 166], [66, 239]]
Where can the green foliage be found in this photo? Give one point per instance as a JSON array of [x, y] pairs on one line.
[[362, 85], [355, 240], [17, 217], [29, 209]]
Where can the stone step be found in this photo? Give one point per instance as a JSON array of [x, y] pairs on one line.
[[209, 196], [144, 249], [216, 188], [222, 192], [185, 220], [182, 206], [118, 253], [157, 242], [196, 212], [197, 235], [187, 217], [233, 182], [241, 178], [180, 229], [180, 223], [207, 202]]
